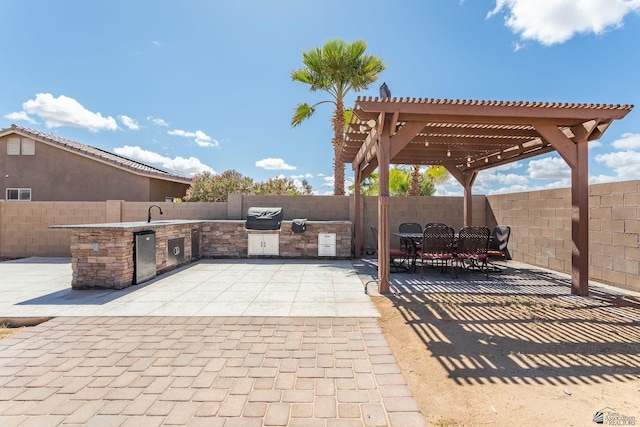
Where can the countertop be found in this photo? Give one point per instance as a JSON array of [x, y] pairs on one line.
[[159, 223]]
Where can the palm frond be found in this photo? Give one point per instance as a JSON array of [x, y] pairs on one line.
[[302, 112]]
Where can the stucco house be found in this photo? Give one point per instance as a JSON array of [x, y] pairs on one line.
[[35, 166]]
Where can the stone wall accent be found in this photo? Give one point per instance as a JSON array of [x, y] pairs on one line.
[[112, 264], [228, 239]]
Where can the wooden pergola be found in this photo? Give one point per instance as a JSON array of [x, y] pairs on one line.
[[469, 136]]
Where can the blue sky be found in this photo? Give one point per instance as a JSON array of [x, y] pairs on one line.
[[204, 85]]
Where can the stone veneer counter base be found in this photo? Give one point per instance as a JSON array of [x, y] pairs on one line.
[[103, 254]]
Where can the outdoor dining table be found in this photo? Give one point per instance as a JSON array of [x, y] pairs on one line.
[[416, 238]]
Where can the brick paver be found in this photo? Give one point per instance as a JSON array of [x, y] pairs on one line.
[[203, 371]]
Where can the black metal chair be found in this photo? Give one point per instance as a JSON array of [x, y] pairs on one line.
[[397, 257], [410, 227], [437, 247], [498, 246], [472, 247]]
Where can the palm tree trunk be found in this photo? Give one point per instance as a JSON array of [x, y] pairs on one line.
[[414, 187], [338, 140]]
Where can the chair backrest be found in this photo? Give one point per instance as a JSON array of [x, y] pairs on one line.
[[500, 238], [430, 224], [410, 227], [438, 239], [374, 230], [473, 240]]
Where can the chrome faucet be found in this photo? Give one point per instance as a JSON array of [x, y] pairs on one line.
[[149, 213]]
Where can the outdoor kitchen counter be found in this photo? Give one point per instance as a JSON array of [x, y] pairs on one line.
[[137, 225], [103, 254], [229, 239]]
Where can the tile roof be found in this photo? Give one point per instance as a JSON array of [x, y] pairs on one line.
[[96, 153]]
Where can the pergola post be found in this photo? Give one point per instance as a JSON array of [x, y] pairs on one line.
[[384, 142], [580, 222], [466, 179], [468, 206], [576, 154], [357, 216]]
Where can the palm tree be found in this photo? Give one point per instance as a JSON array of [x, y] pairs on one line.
[[337, 68], [400, 179], [436, 174]]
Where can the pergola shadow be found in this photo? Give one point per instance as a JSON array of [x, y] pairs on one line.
[[522, 326]]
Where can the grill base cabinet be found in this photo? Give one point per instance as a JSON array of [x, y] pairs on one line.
[[144, 256], [327, 244], [263, 244]]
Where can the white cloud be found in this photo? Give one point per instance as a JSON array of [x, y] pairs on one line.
[[556, 21], [594, 144], [130, 123], [200, 138], [510, 189], [21, 116], [158, 122], [490, 178], [626, 164], [306, 175], [190, 166], [65, 111], [629, 141], [443, 191], [508, 166], [600, 179], [549, 168], [274, 164]]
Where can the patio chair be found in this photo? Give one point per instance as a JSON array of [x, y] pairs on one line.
[[410, 247], [498, 246], [411, 227], [437, 247], [397, 257], [429, 224], [472, 247]]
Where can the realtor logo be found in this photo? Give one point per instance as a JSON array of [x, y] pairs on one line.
[[609, 416]]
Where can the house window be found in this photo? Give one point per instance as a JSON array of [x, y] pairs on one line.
[[24, 146], [13, 146], [19, 194], [28, 147]]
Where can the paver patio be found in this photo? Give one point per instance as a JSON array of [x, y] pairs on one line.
[[224, 342]]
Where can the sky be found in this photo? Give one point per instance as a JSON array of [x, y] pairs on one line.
[[204, 85]]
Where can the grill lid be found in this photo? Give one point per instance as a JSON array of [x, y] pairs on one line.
[[264, 218]]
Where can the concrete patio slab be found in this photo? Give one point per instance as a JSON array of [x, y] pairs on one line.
[[41, 287]]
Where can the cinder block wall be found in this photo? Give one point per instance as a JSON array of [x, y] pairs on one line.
[[137, 211], [314, 208], [448, 210], [541, 230], [24, 226], [540, 221]]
